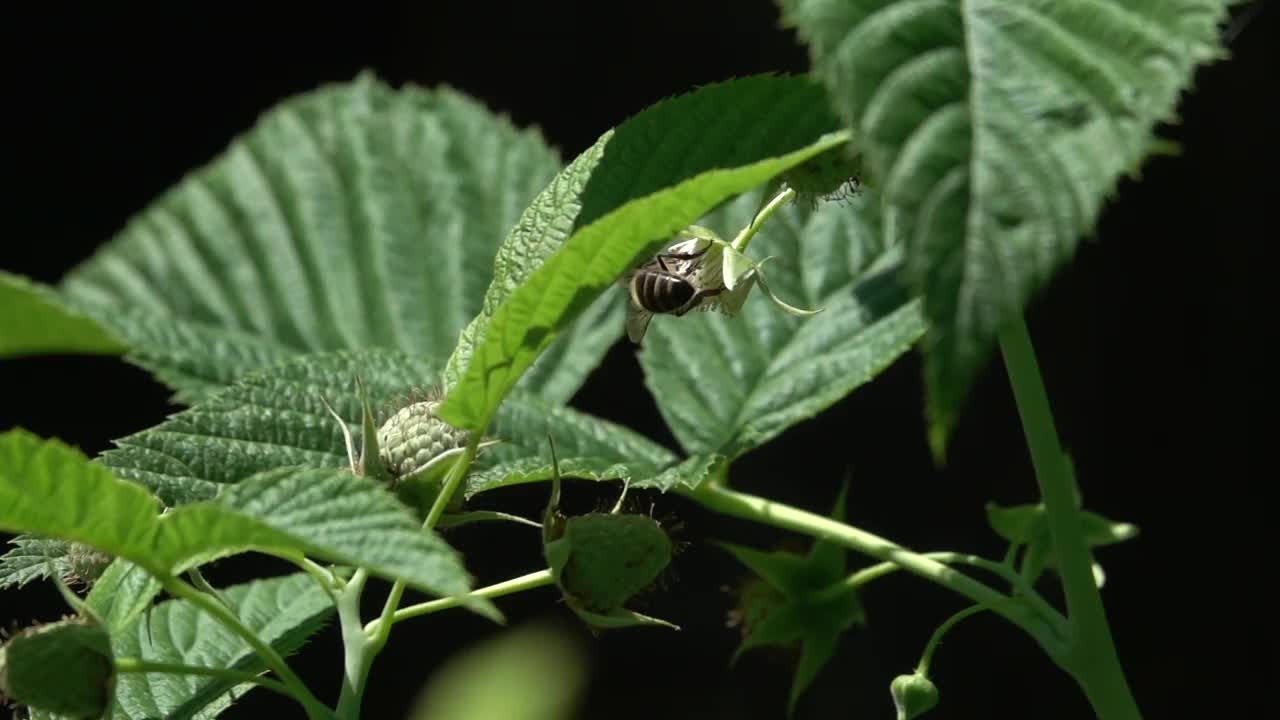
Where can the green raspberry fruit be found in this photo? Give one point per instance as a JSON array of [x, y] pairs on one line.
[[612, 557], [414, 436], [65, 668]]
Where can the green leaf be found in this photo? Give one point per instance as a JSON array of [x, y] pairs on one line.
[[36, 320], [50, 489], [275, 418], [650, 178], [726, 385], [1028, 525], [994, 130], [122, 594], [558, 373], [809, 606], [284, 612], [531, 673], [353, 216], [688, 474], [32, 558], [64, 667]]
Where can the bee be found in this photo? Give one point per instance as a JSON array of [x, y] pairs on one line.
[[668, 285]]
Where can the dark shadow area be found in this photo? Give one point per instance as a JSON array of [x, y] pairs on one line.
[[1149, 342]]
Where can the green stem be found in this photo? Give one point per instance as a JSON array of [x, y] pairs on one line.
[[1047, 611], [923, 666], [362, 648], [356, 656], [718, 498], [1091, 653], [744, 237], [507, 587], [272, 659], [137, 665]]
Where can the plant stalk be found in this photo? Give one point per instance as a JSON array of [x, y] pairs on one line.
[[362, 648], [1091, 653], [744, 237], [716, 497], [927, 656], [506, 587]]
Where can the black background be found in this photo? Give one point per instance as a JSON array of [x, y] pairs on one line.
[[1149, 341]]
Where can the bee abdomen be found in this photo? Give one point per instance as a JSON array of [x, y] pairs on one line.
[[660, 292]]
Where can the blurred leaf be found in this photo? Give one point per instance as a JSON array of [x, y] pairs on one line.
[[994, 131], [726, 385], [650, 178], [36, 320], [64, 667], [531, 673], [1028, 525]]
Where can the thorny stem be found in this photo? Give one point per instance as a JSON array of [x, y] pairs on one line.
[[506, 587], [1090, 652], [138, 665], [212, 606], [361, 646], [744, 237]]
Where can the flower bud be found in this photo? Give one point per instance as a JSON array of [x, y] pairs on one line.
[[913, 695], [65, 668]]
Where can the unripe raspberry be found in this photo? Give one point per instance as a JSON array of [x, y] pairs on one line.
[[414, 436], [612, 557], [65, 668]]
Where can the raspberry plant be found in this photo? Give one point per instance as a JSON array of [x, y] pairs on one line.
[[363, 244]]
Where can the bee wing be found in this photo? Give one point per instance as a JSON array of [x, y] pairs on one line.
[[637, 323]]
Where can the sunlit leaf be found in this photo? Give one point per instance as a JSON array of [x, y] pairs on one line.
[[650, 178]]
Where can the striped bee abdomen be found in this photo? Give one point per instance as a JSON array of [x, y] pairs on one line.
[[661, 292]]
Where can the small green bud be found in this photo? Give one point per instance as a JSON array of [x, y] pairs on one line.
[[65, 668], [411, 438], [913, 695]]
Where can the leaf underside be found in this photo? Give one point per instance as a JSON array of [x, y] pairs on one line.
[[995, 129]]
